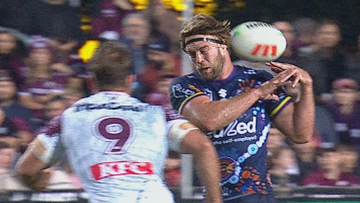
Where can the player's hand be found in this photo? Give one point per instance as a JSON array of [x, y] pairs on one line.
[[298, 76], [268, 88], [42, 181]]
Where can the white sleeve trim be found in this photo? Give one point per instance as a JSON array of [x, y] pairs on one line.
[[177, 134], [46, 148]]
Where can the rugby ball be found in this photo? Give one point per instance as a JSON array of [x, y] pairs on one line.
[[257, 41]]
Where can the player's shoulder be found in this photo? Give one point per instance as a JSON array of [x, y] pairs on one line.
[[247, 68], [253, 72], [188, 78]]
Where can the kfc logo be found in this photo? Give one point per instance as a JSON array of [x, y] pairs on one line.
[[119, 168]]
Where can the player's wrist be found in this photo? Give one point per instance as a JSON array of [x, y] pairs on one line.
[[257, 93], [308, 84]]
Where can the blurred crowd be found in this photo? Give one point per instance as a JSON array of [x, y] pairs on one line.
[[42, 73]]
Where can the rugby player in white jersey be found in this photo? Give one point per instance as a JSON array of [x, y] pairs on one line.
[[116, 144]]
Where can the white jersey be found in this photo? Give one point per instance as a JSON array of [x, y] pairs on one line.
[[116, 144]]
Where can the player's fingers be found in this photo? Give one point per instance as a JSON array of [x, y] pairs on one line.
[[296, 80], [285, 75], [276, 69], [277, 64]]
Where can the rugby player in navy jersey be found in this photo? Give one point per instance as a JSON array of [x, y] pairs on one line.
[[236, 105]]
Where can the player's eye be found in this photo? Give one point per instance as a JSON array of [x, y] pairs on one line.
[[192, 54], [203, 51]]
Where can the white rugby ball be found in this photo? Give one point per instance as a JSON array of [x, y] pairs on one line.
[[257, 41]]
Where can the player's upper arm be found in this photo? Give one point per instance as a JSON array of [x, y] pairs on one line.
[[285, 122], [186, 138], [44, 150], [196, 111], [178, 132], [29, 163]]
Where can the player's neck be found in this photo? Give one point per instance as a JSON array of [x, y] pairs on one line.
[[114, 90], [228, 69]]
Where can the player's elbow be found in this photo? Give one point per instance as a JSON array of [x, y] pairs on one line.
[[302, 138], [209, 125], [300, 141], [205, 146], [21, 170]]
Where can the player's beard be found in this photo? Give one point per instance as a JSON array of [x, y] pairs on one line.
[[216, 68]]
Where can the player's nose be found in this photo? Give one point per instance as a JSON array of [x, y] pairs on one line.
[[199, 57]]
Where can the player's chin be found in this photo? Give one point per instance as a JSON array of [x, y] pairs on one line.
[[207, 74]]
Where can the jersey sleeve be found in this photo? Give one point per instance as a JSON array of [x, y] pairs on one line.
[[173, 122], [275, 107], [47, 145], [182, 90]]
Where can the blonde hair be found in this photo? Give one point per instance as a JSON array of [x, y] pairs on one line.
[[202, 24], [111, 64]]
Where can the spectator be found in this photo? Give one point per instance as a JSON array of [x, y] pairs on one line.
[[107, 16], [330, 173], [55, 106], [306, 155], [290, 53], [20, 115], [161, 94], [151, 53], [43, 79], [8, 131], [305, 29], [6, 157], [349, 155], [72, 95], [165, 20], [11, 53], [9, 180], [353, 70], [284, 170], [345, 110], [276, 140], [324, 124], [56, 20], [325, 62]]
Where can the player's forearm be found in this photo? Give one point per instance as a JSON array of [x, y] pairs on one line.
[[304, 115], [31, 170], [30, 181], [208, 170], [215, 115]]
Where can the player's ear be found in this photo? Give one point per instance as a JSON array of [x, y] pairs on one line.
[[130, 80]]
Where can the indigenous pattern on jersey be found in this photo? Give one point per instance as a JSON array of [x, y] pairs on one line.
[[116, 145], [241, 145]]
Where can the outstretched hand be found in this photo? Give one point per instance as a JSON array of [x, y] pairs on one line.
[[298, 75], [282, 78]]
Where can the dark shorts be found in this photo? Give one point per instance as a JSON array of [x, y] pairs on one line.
[[256, 198]]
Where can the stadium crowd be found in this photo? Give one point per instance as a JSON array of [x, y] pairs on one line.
[[42, 73]]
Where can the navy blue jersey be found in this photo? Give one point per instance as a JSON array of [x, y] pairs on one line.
[[241, 145]]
